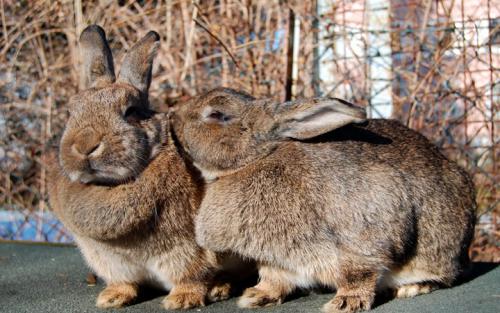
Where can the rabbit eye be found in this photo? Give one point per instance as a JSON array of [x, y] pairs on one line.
[[135, 114], [130, 111], [218, 116]]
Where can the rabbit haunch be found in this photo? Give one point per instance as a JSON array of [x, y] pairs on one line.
[[317, 194]]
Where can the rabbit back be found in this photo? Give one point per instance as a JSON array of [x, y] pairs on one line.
[[377, 193]]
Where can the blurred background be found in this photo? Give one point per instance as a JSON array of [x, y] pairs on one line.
[[432, 64]]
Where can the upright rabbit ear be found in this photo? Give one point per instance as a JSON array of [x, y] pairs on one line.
[[309, 118], [138, 62], [97, 58]]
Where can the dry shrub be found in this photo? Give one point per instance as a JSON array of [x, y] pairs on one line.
[[443, 75]]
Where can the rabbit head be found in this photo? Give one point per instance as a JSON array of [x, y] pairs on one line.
[[224, 129], [109, 137]]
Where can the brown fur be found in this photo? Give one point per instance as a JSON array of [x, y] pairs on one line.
[[369, 205], [185, 296], [117, 295], [123, 188], [412, 290]]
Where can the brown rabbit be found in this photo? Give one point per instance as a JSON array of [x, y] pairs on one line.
[[317, 194], [124, 190]]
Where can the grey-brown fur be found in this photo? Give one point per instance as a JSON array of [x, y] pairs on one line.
[[123, 189], [367, 206]]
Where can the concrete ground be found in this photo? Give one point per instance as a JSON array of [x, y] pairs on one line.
[[41, 278]]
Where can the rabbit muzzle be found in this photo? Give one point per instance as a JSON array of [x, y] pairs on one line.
[[90, 156], [112, 155]]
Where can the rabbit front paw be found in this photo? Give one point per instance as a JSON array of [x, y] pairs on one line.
[[219, 292], [258, 298], [116, 296], [348, 304], [183, 300]]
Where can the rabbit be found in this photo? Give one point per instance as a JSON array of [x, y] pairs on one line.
[[124, 190], [318, 194]]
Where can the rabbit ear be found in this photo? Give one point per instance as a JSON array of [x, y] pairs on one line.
[[96, 56], [138, 62], [309, 118]]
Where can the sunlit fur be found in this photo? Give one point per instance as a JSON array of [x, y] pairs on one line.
[[367, 206], [96, 119], [123, 189]]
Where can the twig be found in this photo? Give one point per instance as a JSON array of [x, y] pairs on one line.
[[189, 42], [214, 36]]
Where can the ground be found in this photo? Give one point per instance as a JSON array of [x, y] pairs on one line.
[[42, 278]]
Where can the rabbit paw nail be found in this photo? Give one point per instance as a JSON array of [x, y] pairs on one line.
[[347, 304], [219, 292], [116, 296], [256, 298], [185, 300]]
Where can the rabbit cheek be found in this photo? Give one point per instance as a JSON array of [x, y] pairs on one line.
[[223, 154], [122, 162]]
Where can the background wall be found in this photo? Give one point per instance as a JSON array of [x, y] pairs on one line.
[[433, 64]]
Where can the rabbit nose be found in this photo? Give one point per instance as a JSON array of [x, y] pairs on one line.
[[86, 149], [87, 144]]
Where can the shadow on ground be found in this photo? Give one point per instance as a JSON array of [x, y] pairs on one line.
[[475, 270]]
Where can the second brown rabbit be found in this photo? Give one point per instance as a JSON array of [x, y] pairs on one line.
[[319, 195]]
